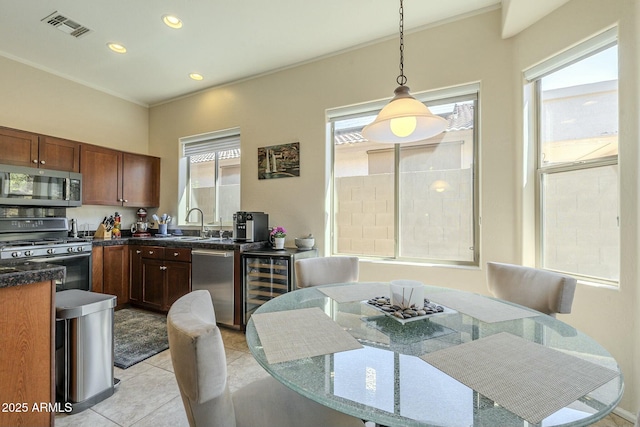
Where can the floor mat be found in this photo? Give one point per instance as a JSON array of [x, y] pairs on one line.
[[138, 335]]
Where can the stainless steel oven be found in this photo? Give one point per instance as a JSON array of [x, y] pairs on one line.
[[25, 240], [78, 270]]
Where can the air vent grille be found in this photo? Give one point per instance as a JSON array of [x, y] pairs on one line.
[[66, 24]]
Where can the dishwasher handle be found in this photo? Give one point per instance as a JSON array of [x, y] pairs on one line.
[[204, 252]]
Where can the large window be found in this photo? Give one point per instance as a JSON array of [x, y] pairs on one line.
[[413, 201], [211, 172], [576, 97]]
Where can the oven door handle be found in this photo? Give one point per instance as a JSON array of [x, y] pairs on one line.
[[61, 258]]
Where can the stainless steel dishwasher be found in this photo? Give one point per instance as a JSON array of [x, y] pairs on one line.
[[212, 271]]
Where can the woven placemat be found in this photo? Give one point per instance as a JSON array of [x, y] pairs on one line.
[[526, 378], [296, 334], [479, 307], [355, 292]]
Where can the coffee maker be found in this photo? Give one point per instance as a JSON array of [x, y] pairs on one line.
[[141, 227], [251, 226]]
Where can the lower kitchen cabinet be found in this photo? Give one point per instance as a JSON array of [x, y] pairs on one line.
[[27, 316], [135, 274], [178, 281], [111, 272], [159, 276]]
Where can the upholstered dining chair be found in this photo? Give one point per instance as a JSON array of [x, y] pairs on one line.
[[200, 366], [541, 290], [325, 270]]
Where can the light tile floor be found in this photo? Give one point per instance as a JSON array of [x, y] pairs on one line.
[[148, 395]]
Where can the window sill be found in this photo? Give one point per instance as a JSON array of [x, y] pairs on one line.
[[416, 263]]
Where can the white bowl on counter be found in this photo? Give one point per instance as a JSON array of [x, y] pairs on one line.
[[305, 242]]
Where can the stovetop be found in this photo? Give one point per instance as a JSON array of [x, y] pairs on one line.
[[46, 241], [27, 238]]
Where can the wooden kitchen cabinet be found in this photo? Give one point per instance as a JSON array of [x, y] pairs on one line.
[[27, 317], [135, 274], [59, 154], [101, 175], [116, 178], [22, 148], [178, 275], [140, 180], [111, 272], [161, 276]]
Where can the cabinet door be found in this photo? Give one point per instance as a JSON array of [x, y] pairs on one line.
[[59, 154], [18, 148], [135, 274], [27, 341], [178, 281], [97, 269], [140, 180], [153, 283], [116, 272], [101, 175]]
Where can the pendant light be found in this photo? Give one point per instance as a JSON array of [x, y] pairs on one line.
[[404, 118]]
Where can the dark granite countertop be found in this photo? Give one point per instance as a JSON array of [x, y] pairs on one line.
[[25, 272], [184, 242]]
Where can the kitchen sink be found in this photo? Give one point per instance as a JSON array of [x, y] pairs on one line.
[[187, 238], [196, 239]]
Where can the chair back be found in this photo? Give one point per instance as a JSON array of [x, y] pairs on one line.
[[199, 361], [326, 270], [541, 290]]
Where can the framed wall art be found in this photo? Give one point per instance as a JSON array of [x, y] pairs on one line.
[[279, 161]]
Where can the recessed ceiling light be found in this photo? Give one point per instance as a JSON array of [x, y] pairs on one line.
[[117, 47], [196, 76], [172, 21]]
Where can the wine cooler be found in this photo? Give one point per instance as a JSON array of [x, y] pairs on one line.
[[268, 274]]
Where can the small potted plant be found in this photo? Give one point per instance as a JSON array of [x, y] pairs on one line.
[[277, 237]]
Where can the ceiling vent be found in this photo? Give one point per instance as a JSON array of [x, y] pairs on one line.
[[66, 25]]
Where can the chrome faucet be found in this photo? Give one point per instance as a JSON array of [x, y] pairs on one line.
[[202, 232]]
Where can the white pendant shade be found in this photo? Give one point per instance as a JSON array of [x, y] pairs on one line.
[[404, 119]]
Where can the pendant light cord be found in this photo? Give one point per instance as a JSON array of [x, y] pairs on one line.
[[402, 79]]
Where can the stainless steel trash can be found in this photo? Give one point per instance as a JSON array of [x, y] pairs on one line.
[[84, 348]]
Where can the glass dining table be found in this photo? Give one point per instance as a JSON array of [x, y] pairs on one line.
[[392, 378]]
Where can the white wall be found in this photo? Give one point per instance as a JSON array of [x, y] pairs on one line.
[[36, 101], [290, 106]]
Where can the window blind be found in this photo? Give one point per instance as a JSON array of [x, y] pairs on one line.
[[226, 140], [589, 47]]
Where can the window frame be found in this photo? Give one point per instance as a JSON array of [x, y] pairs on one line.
[[533, 78], [210, 142], [467, 92]]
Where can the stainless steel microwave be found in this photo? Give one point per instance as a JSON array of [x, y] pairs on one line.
[[22, 186]]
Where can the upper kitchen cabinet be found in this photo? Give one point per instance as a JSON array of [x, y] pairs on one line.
[[38, 151], [140, 180], [59, 154], [115, 178]]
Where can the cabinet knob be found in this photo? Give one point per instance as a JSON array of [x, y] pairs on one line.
[[138, 251], [35, 160], [163, 267], [176, 254], [42, 162], [150, 252], [125, 200]]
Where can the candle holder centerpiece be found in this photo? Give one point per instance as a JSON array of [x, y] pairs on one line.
[[407, 302]]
